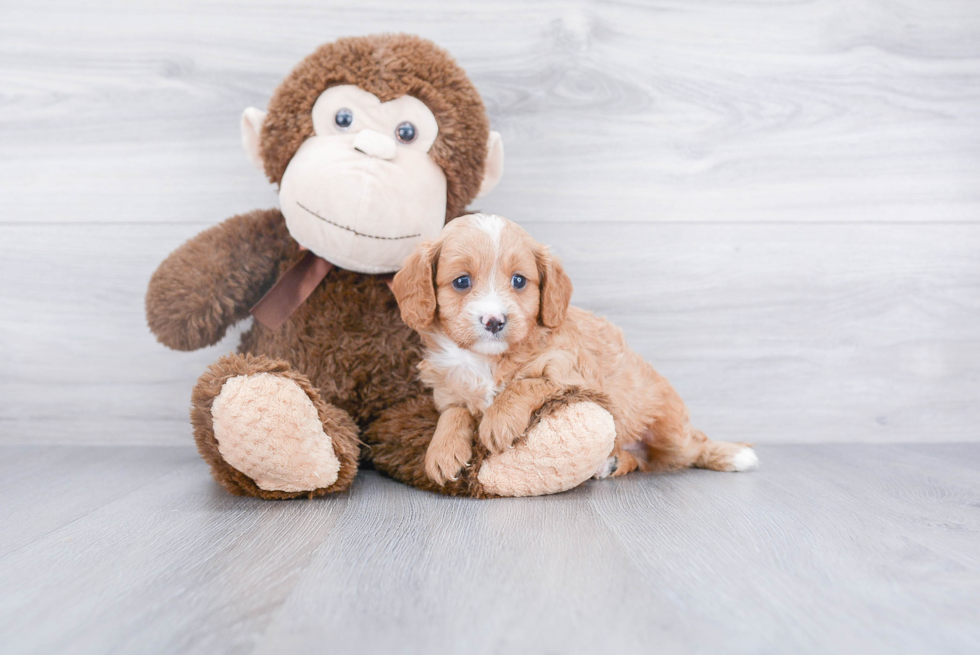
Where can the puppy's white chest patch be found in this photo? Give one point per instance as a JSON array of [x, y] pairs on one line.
[[458, 377]]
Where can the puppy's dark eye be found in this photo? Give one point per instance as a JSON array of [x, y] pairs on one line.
[[518, 281], [405, 132], [344, 118], [462, 283]]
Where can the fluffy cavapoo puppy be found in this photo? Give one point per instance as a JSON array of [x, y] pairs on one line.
[[492, 308]]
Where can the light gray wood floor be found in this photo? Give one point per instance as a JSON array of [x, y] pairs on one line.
[[826, 549]]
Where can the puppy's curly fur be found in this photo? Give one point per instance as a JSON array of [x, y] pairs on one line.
[[492, 308]]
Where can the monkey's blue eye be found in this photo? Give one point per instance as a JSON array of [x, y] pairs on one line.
[[344, 118], [518, 281], [405, 132], [462, 283]]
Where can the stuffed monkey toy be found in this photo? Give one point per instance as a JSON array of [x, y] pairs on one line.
[[374, 142]]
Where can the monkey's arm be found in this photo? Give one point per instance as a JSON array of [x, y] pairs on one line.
[[570, 440], [551, 376], [210, 282], [510, 414]]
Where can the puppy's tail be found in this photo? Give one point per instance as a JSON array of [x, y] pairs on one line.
[[724, 455], [696, 450]]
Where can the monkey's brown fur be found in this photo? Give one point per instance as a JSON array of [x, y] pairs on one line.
[[346, 345]]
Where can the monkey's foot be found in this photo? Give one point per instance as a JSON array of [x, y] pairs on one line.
[[268, 428], [562, 451]]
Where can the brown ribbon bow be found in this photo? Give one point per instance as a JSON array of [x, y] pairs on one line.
[[292, 289]]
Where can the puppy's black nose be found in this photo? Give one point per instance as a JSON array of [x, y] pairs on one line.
[[493, 325]]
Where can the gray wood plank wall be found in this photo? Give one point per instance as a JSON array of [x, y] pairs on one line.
[[779, 201]]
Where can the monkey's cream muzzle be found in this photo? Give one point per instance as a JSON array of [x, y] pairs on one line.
[[362, 212]]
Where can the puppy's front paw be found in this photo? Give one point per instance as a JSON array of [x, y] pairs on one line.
[[444, 461], [501, 426]]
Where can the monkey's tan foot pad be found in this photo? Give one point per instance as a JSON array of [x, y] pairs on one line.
[[268, 428], [562, 451]]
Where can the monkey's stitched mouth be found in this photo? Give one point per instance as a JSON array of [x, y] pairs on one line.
[[350, 229]]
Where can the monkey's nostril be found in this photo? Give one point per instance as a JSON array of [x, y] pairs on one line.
[[373, 144]]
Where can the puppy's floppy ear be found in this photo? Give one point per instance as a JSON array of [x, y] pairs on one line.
[[556, 289], [414, 287]]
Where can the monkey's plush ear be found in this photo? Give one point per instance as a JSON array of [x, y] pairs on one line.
[[251, 132], [414, 287], [493, 168], [556, 289]]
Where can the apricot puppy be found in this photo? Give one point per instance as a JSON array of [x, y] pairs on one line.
[[492, 308]]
